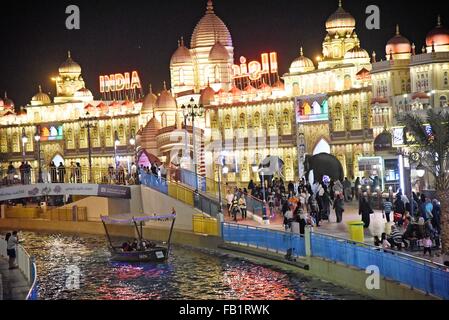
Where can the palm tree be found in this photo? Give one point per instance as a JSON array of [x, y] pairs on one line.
[[431, 133]]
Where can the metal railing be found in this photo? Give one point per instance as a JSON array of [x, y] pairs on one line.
[[100, 175], [26, 265], [427, 276], [182, 193], [262, 238]]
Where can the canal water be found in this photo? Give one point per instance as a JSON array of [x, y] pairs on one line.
[[78, 267]]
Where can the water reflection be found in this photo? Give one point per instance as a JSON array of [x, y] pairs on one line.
[[188, 274]]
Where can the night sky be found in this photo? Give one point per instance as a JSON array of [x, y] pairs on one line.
[[119, 36]]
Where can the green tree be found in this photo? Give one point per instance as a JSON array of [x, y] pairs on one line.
[[431, 132]]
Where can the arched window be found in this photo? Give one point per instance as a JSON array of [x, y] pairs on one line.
[[322, 147], [83, 140], [347, 84], [256, 120], [338, 121], [3, 143], [15, 142], [121, 134], [286, 122], [271, 120], [355, 114], [181, 76], [228, 124], [95, 140], [108, 135], [69, 139], [242, 121], [164, 120], [443, 101], [217, 74]]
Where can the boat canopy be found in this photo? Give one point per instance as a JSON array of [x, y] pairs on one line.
[[129, 218]]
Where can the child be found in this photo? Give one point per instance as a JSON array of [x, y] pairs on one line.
[[377, 242], [384, 241], [427, 243]]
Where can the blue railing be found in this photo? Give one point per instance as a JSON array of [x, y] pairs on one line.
[[200, 202], [262, 238], [33, 294], [417, 273]]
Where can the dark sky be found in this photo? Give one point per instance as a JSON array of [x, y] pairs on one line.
[[119, 36]]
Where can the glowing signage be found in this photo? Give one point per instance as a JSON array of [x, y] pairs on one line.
[[255, 69], [119, 82], [401, 136], [312, 108], [51, 133]]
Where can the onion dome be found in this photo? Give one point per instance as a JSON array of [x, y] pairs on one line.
[[398, 44], [149, 102], [207, 96], [250, 89], [218, 52], [166, 100], [83, 93], [8, 103], [265, 87], [278, 85], [235, 91], [439, 36], [340, 21], [22, 112], [207, 29], [357, 53], [182, 55], [69, 66], [302, 64], [40, 98]]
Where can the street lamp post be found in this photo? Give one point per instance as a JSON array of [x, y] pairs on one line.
[[88, 126], [37, 138], [116, 144], [220, 201], [132, 142], [255, 168], [193, 110], [24, 142]]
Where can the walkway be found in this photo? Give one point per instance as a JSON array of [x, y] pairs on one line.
[[13, 285], [377, 226]]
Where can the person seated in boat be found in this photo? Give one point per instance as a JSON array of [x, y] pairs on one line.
[[126, 247], [135, 245]]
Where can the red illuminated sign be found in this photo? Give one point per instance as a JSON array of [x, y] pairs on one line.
[[119, 82], [255, 69]]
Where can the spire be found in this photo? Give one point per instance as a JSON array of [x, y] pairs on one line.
[[179, 43], [339, 4], [413, 49], [165, 86], [69, 55], [397, 30], [374, 56], [301, 52], [40, 89], [6, 95], [210, 7], [151, 88], [439, 21], [182, 41]]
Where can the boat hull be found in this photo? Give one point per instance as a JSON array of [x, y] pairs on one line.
[[158, 254]]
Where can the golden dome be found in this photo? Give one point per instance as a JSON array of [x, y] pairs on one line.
[[40, 98], [166, 100], [149, 102], [357, 53], [207, 96], [398, 44], [340, 21], [182, 55], [302, 64], [83, 93], [69, 66], [439, 36], [218, 52], [208, 28]]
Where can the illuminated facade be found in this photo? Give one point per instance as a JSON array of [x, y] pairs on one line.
[[332, 102]]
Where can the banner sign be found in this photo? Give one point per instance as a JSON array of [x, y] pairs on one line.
[[59, 189]]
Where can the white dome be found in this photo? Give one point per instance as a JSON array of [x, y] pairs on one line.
[[182, 55], [209, 28], [69, 66], [40, 98], [166, 100], [357, 53], [302, 64], [219, 52]]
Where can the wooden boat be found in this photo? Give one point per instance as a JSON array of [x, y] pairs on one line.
[[152, 253]]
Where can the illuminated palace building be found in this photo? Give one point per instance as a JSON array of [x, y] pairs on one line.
[[344, 105]]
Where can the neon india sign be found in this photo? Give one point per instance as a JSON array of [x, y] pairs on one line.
[[51, 133], [120, 82], [255, 69]]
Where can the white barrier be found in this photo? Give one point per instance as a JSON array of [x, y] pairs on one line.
[[25, 263]]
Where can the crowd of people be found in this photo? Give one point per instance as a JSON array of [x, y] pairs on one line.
[[416, 223]]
